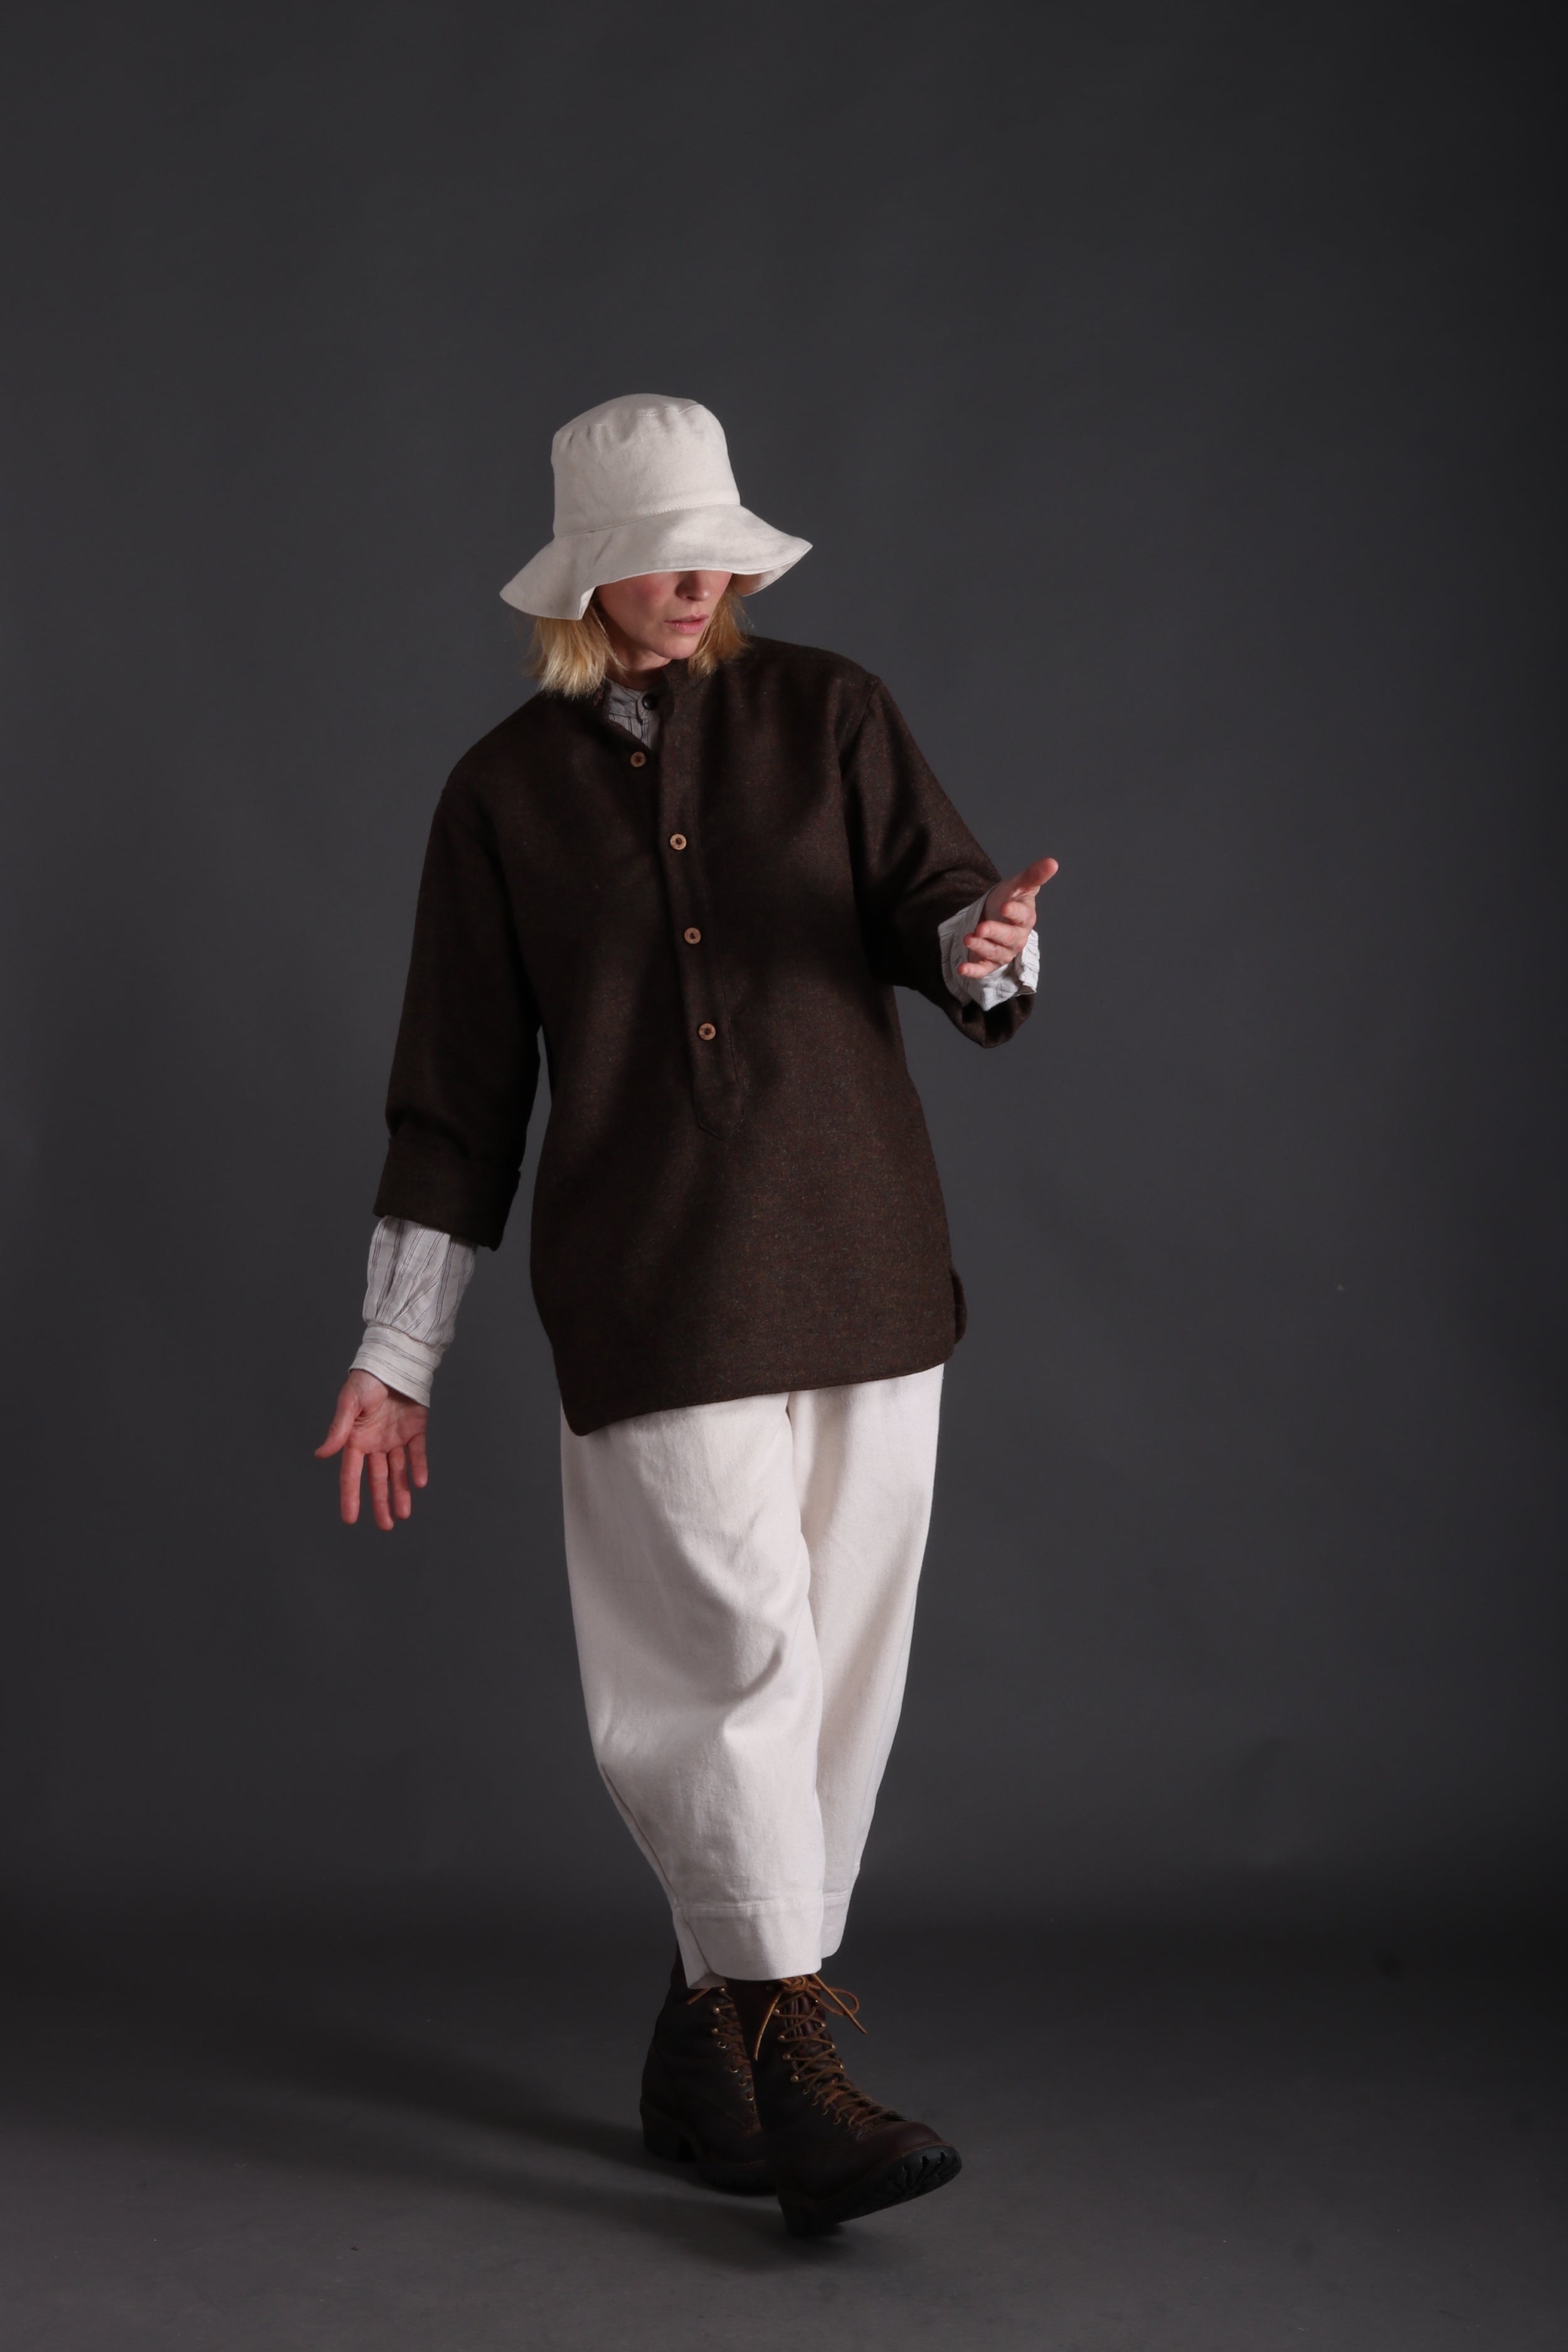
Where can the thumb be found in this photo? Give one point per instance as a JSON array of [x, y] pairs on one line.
[[1033, 877], [337, 1434]]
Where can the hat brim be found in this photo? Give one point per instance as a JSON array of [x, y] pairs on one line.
[[561, 580]]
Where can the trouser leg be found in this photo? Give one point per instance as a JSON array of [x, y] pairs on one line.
[[864, 1463], [691, 1592], [743, 1581]]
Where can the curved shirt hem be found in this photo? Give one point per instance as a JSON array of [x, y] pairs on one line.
[[583, 1419]]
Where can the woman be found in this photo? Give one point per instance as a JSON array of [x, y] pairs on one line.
[[698, 862]]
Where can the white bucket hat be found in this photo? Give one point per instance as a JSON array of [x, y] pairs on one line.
[[643, 484]]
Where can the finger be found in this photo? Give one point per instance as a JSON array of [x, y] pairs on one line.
[[376, 1464], [1035, 877], [348, 1484], [401, 1500], [417, 1463], [996, 933]]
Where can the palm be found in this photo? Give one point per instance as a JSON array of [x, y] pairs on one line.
[[375, 1429], [395, 1422]]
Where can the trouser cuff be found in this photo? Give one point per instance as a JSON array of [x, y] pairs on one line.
[[763, 1940]]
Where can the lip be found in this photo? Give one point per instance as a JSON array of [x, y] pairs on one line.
[[700, 622]]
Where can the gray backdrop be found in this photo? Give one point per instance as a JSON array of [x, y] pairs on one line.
[[1166, 391]]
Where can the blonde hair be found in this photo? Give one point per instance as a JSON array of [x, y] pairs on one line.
[[571, 657]]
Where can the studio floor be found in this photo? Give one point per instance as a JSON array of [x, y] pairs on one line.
[[405, 2145]]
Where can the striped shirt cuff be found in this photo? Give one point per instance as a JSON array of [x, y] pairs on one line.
[[413, 1286], [406, 1365]]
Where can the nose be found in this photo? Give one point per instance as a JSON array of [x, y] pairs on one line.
[[702, 587]]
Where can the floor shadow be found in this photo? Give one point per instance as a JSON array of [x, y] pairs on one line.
[[281, 2076]]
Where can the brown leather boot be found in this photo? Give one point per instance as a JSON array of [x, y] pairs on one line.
[[835, 2153], [698, 2105]]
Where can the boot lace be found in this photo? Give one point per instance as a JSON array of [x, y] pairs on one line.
[[724, 2025], [799, 2012]]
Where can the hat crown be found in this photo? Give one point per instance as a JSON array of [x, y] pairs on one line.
[[642, 455]]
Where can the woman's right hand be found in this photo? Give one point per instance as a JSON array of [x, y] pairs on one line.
[[374, 1428]]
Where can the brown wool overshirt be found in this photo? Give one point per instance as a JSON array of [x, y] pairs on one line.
[[736, 1192]]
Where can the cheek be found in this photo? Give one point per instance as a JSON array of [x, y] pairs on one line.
[[625, 607]]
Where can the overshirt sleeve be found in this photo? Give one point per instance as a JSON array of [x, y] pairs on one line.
[[467, 1062], [916, 864]]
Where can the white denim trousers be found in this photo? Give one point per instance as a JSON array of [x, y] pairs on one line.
[[743, 1585]]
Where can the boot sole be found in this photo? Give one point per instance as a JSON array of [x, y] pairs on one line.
[[663, 2137], [906, 2177]]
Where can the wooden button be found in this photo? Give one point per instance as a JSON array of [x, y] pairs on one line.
[[707, 1032], [678, 841], [692, 936], [639, 759]]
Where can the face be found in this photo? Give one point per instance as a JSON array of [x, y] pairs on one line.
[[659, 616]]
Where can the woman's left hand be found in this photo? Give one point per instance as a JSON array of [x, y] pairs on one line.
[[1008, 920]]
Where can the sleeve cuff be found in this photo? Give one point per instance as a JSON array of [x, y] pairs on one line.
[[424, 1185], [406, 1365], [414, 1281]]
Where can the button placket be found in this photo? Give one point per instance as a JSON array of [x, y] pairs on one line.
[[715, 1082]]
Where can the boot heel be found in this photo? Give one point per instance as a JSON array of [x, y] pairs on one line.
[[661, 2138], [801, 2218]]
